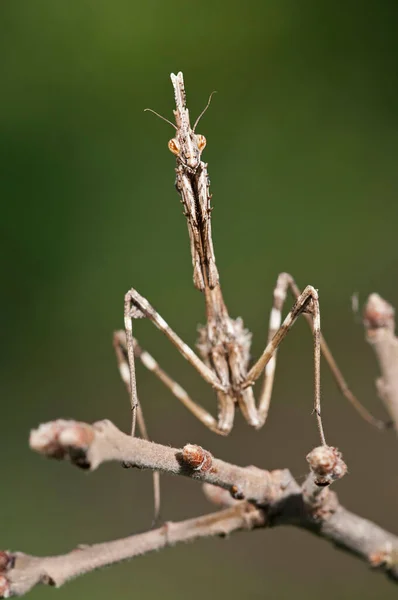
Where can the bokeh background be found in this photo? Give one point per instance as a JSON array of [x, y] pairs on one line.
[[302, 151]]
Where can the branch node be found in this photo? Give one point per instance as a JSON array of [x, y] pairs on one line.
[[218, 496], [237, 492], [63, 439], [197, 458], [378, 313], [47, 580], [327, 465], [386, 556]]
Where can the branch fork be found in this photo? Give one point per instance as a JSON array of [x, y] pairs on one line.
[[247, 497]]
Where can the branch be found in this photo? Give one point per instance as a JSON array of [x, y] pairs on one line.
[[379, 325], [88, 446], [276, 499], [21, 572]]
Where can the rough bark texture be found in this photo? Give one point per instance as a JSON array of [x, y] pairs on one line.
[[254, 498]]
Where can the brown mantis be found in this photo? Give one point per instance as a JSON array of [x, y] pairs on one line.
[[224, 343]]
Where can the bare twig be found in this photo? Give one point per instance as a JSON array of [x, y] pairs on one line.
[[379, 325], [22, 572], [88, 446], [326, 466], [275, 499]]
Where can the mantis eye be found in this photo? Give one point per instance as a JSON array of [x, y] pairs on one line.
[[174, 146], [201, 140]]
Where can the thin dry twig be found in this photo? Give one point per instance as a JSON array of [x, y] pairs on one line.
[[379, 322], [22, 572], [88, 446], [276, 499]]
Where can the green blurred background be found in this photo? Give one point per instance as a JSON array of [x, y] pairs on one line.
[[302, 151]]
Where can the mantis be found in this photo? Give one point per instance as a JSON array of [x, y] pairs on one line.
[[223, 358]]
